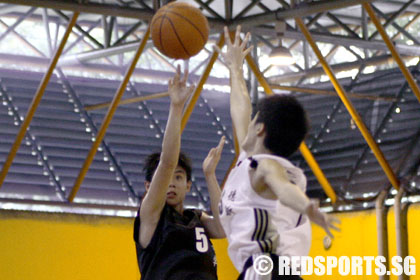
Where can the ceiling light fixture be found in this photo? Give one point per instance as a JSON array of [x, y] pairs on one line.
[[281, 55]]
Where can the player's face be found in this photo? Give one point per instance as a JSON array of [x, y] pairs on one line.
[[178, 188], [251, 136]]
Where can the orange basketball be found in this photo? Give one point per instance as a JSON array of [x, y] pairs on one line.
[[179, 30]]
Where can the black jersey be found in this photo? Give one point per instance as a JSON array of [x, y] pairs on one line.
[[179, 249]]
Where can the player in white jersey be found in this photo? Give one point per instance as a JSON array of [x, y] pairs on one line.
[[256, 224], [263, 208]]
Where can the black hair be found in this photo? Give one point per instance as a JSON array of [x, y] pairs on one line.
[[152, 161], [285, 122]]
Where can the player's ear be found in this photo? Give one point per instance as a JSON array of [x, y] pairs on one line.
[[260, 128], [189, 184], [146, 185]]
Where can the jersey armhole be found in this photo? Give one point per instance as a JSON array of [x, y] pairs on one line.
[[137, 224], [243, 155], [199, 213]]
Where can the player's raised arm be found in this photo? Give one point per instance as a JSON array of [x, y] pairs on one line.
[[155, 199], [240, 103], [272, 174], [212, 224]]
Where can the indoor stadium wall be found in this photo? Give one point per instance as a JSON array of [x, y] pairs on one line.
[[42, 246], [78, 247], [358, 237]]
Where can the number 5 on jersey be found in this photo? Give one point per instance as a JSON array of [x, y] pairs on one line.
[[202, 243]]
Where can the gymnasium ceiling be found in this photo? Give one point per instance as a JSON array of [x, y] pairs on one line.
[[100, 49]]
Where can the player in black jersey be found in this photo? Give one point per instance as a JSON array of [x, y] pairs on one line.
[[173, 243]]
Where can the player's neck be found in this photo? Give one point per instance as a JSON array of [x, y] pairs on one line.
[[179, 208], [257, 148]]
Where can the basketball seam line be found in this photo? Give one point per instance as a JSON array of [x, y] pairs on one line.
[[177, 36], [160, 32], [192, 23], [156, 18]]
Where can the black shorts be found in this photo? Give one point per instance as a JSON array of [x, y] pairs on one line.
[[248, 272]]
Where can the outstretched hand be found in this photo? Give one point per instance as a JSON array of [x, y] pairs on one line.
[[178, 90], [327, 222], [236, 51], [213, 157]]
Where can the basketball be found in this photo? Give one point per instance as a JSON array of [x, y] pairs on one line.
[[179, 30]]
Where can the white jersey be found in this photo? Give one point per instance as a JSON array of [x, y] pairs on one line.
[[256, 225]]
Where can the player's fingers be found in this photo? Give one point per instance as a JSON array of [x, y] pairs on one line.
[[329, 232], [227, 37], [237, 35], [335, 220], [177, 74], [331, 220], [191, 89], [221, 142], [220, 146], [185, 78], [209, 154], [248, 50], [217, 49], [245, 41], [334, 227]]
